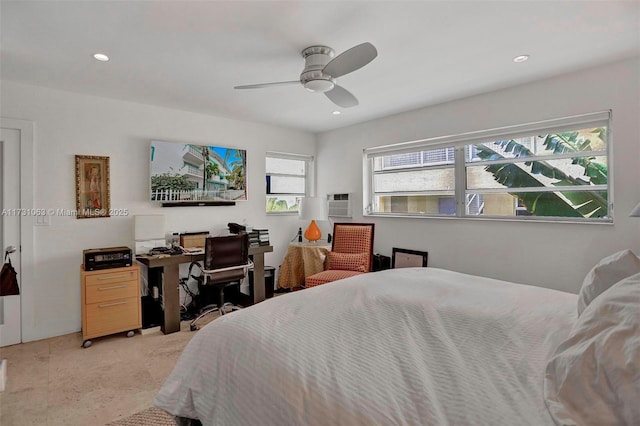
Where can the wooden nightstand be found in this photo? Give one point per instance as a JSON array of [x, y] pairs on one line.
[[110, 302]]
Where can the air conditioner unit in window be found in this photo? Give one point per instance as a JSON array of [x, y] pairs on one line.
[[339, 205]]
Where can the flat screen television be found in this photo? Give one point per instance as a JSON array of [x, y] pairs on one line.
[[189, 174]]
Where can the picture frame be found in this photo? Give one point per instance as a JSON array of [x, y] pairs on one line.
[[93, 197], [405, 258]]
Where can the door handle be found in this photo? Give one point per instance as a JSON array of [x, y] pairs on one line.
[[112, 287], [111, 278]]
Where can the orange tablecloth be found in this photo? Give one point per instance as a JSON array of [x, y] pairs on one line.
[[301, 260]]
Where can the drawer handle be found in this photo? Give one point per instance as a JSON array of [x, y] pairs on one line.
[[112, 304], [113, 277], [112, 287]]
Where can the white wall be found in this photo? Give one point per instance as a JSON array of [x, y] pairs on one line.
[[551, 255], [67, 124]]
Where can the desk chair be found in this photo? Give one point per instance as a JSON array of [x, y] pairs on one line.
[[226, 262]]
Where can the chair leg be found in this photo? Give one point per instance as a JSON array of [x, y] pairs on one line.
[[224, 305], [212, 308], [221, 300], [206, 311], [231, 307]]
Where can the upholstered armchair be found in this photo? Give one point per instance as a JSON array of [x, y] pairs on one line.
[[351, 253]]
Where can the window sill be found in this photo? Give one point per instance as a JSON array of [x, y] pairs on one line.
[[282, 213], [493, 219]]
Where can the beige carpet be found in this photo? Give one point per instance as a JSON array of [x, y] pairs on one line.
[[149, 417]]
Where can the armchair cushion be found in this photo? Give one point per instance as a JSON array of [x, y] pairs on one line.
[[327, 277], [357, 262]]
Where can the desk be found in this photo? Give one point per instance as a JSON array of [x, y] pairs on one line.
[[171, 270], [301, 261]]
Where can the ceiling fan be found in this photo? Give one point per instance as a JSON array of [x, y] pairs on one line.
[[321, 70]]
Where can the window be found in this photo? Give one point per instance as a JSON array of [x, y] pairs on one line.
[[287, 181], [419, 182], [557, 169]]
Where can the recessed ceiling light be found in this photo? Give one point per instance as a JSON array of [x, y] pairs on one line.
[[336, 113], [521, 58], [101, 57]]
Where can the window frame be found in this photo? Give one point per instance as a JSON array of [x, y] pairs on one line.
[[460, 141], [308, 175]]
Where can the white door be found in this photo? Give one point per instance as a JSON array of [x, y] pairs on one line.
[[10, 327]]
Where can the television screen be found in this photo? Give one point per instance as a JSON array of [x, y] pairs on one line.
[[188, 173]]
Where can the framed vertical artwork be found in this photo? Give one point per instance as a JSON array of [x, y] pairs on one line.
[[404, 258], [92, 187]]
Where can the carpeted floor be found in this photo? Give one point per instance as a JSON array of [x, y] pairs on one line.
[[149, 417], [55, 382]]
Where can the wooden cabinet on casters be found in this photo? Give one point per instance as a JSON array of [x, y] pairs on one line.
[[110, 302]]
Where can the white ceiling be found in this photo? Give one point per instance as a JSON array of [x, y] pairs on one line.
[[189, 55]]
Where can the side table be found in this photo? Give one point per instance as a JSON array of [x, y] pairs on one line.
[[301, 261]]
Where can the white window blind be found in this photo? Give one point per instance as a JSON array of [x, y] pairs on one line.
[[287, 181]]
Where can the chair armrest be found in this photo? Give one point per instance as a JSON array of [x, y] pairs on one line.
[[249, 264]]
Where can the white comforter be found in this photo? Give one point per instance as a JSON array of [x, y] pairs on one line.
[[415, 346]]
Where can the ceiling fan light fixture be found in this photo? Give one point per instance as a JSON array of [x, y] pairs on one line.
[[101, 57], [320, 85], [321, 70]]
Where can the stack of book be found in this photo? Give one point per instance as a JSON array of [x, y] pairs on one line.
[[263, 237], [254, 238]]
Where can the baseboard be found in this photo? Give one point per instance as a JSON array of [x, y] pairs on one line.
[[3, 374]]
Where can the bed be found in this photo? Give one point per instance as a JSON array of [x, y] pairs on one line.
[[411, 346]]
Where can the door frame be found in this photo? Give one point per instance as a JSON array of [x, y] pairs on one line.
[[27, 244]]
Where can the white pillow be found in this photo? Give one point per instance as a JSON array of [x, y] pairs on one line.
[[593, 378], [606, 273]]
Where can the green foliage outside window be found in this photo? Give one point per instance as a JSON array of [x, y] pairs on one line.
[[587, 204], [277, 205]]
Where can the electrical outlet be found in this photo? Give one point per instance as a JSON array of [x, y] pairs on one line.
[[44, 220]]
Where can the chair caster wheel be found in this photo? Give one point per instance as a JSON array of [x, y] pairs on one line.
[[193, 327], [130, 333], [86, 344]]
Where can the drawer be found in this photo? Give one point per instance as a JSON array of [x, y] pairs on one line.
[[112, 317], [111, 290], [111, 277]]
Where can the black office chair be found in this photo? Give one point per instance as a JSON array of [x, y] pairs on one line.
[[226, 262]]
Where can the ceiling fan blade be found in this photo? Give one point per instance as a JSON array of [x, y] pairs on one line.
[[351, 60], [341, 97], [259, 86]]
